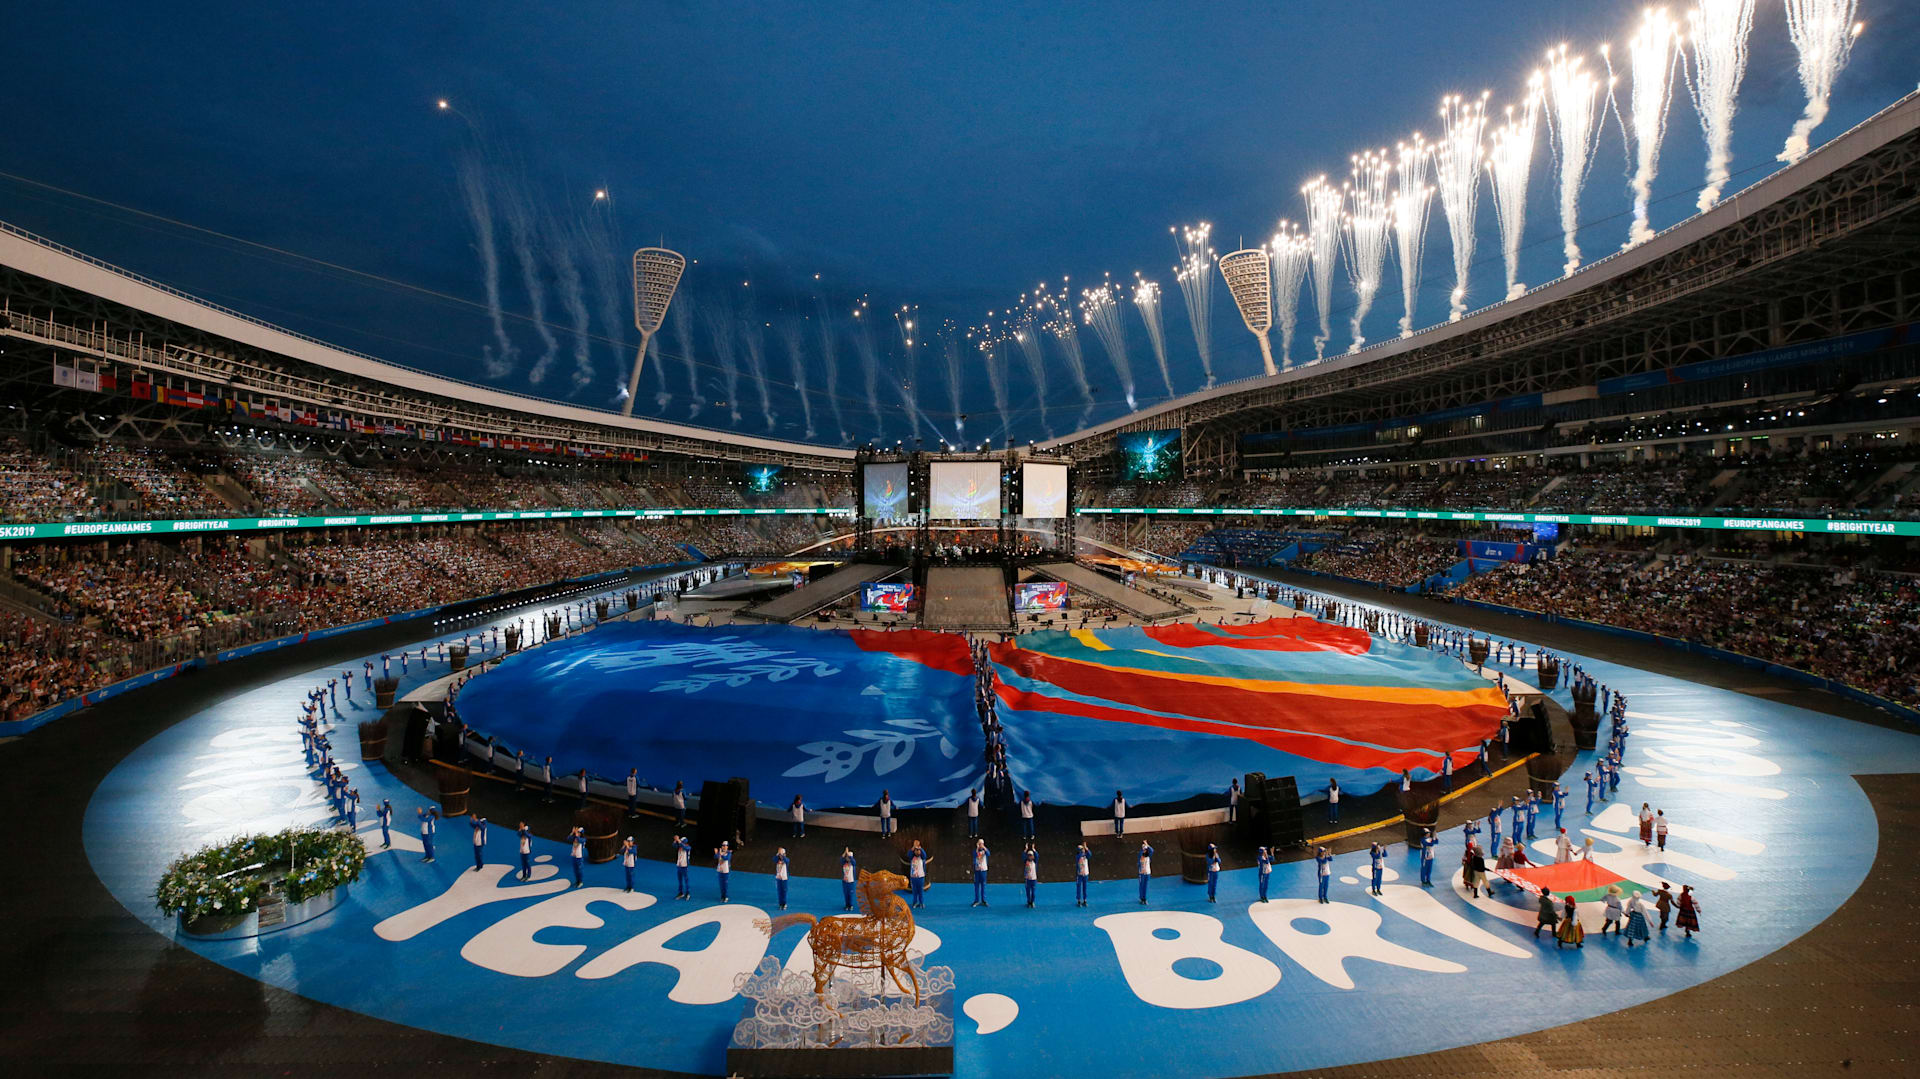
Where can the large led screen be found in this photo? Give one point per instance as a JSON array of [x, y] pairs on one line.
[[1149, 455], [1046, 596], [886, 597], [963, 490], [885, 494], [1043, 490]]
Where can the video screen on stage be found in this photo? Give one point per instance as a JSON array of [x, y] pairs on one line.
[[886, 597], [763, 479], [963, 490], [884, 494], [1044, 596], [1149, 456], [1043, 490]]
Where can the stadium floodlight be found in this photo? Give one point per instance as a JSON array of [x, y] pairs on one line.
[[1250, 279], [656, 273]]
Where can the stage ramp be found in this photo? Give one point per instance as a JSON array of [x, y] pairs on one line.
[[821, 594], [962, 598], [1146, 607]]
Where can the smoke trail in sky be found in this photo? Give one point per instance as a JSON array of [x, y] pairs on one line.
[[1509, 165], [907, 321], [720, 330], [1060, 325], [1146, 300], [951, 355], [1456, 171], [992, 345], [1368, 226], [1823, 33], [1719, 38], [1026, 334], [496, 359], [561, 255], [680, 316], [1412, 202], [1291, 252], [869, 360], [1323, 234], [753, 346], [1194, 275], [1653, 55], [830, 363], [1573, 101], [1101, 308], [604, 264], [520, 231], [793, 336]]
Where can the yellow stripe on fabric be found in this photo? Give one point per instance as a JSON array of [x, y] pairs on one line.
[[1086, 637], [1442, 698], [1169, 655]]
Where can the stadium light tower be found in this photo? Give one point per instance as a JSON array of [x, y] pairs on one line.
[[1250, 279], [656, 273]]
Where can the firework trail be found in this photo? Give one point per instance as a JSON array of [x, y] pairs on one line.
[[520, 232], [793, 336], [681, 316], [956, 372], [1323, 236], [1653, 55], [1573, 103], [863, 347], [1719, 38], [1291, 252], [1412, 203], [1456, 171], [1823, 33], [753, 345], [1060, 325], [1100, 307], [1509, 165], [720, 329], [906, 319], [1146, 300], [496, 359], [992, 345], [829, 358], [1368, 225], [1194, 275], [1026, 334], [597, 236]]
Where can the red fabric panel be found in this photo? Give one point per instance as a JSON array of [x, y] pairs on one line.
[[941, 651]]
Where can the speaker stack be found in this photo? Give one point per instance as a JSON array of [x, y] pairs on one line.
[[1279, 822], [726, 813]]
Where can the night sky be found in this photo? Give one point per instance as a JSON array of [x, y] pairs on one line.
[[949, 157]]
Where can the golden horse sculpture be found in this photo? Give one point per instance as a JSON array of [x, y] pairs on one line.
[[877, 940]]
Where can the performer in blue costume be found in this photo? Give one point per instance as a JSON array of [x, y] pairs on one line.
[[780, 877], [1030, 872], [1378, 857], [1265, 860], [1213, 871], [1324, 865], [916, 875], [848, 864], [682, 850], [1146, 869], [980, 853], [1081, 867], [1427, 843]]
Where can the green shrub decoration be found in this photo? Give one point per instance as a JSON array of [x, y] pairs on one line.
[[304, 863]]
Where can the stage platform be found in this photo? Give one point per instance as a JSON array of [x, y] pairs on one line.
[[1142, 605], [821, 594], [966, 599]]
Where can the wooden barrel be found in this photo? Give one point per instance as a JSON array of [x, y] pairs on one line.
[[1420, 636], [1419, 818], [513, 639], [1477, 649], [602, 825], [600, 607], [383, 691], [1193, 866], [455, 784], [553, 626], [456, 657], [1333, 611], [373, 740], [1548, 674]]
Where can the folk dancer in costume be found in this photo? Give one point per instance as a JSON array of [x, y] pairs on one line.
[[1562, 848], [1473, 867], [1213, 871], [577, 840], [799, 813], [427, 819], [980, 853], [627, 859], [1663, 902], [1264, 859], [1549, 915], [1636, 921], [1146, 869], [1427, 843], [848, 865], [682, 851], [1660, 827], [1689, 916], [886, 815], [723, 867], [526, 851], [780, 877], [1119, 813], [1030, 872], [1616, 911], [386, 824], [1082, 858], [1569, 931], [1646, 825], [917, 859], [973, 813], [1333, 801], [1323, 865], [1377, 855]]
